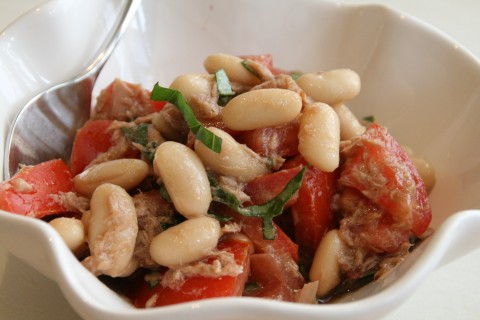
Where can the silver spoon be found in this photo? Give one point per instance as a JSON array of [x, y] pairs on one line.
[[46, 126]]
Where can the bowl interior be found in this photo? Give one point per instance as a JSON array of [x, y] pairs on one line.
[[417, 82]]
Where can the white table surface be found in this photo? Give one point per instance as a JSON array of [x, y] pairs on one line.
[[451, 292]]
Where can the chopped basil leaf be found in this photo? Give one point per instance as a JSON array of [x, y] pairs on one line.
[[219, 217], [249, 68], [250, 287], [164, 193], [153, 283], [223, 100], [266, 211], [223, 83], [224, 88], [295, 75], [370, 119], [202, 134], [139, 134], [171, 221]]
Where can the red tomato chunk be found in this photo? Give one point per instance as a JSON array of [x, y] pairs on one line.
[[200, 287], [36, 190]]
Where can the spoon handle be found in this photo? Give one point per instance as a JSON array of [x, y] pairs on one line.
[[102, 56]]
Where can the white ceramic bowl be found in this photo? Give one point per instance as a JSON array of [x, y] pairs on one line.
[[419, 83]]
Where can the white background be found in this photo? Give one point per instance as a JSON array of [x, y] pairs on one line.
[[452, 292]]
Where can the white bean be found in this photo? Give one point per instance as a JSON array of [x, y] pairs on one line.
[[319, 136], [424, 168], [193, 84], [325, 266], [184, 177], [186, 242], [262, 108], [235, 160], [331, 87], [126, 173], [112, 231], [233, 67], [350, 127], [426, 172], [72, 232]]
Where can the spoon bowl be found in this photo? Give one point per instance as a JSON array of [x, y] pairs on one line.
[[45, 127]]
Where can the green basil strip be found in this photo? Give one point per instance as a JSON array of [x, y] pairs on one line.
[[295, 75], [249, 68], [223, 83], [370, 119], [208, 138], [139, 134], [266, 211]]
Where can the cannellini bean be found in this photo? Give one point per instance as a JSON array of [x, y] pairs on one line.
[[426, 172], [331, 87], [350, 127], [186, 242], [325, 266], [319, 136], [233, 67], [262, 108], [184, 177], [193, 84], [127, 173], [200, 93], [235, 160], [112, 231], [72, 232], [424, 168]]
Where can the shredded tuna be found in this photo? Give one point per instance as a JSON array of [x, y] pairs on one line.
[[122, 101], [223, 265], [284, 81], [72, 202], [231, 228], [233, 186], [119, 149], [153, 214], [171, 124], [367, 236]]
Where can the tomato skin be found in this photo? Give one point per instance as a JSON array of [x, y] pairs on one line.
[[252, 228], [157, 105], [40, 182], [312, 213], [124, 101], [402, 194], [263, 188], [199, 287], [277, 141], [91, 140], [274, 276]]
